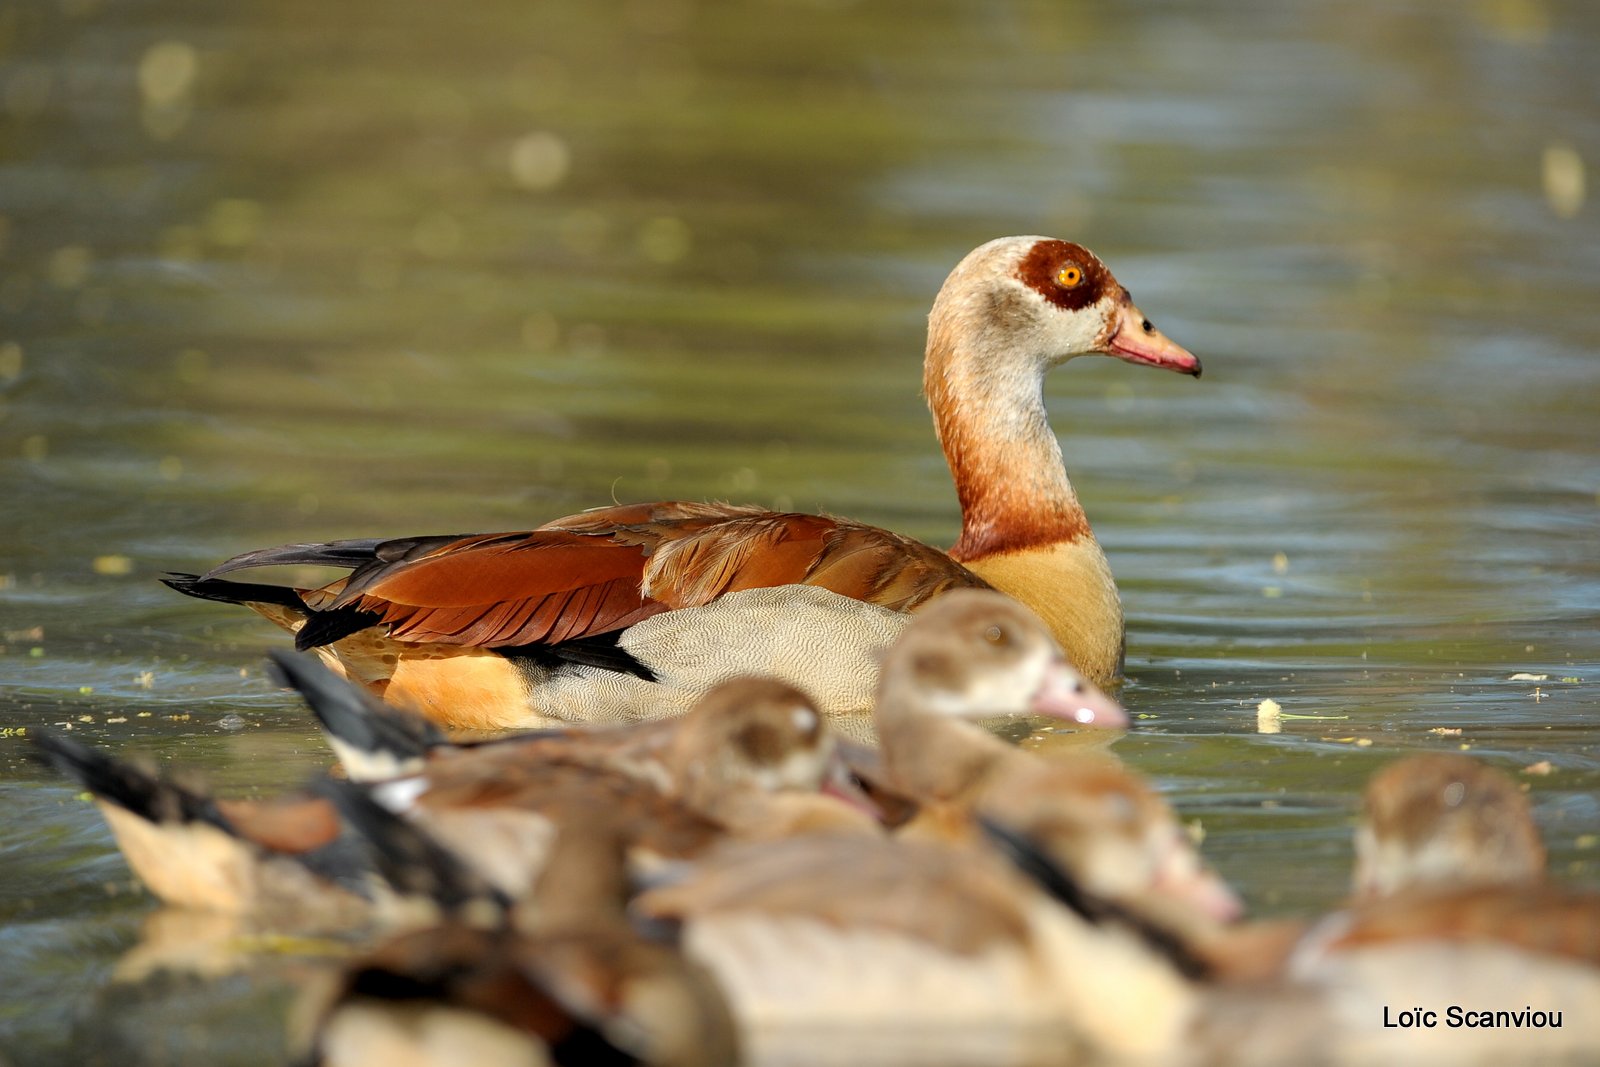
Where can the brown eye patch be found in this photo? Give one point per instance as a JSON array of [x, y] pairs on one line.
[[1068, 275], [762, 743]]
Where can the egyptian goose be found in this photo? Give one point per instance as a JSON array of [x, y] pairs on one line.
[[928, 952], [1122, 842], [1444, 820], [914, 952], [1476, 973], [972, 657], [579, 987], [975, 656], [749, 760], [754, 755], [518, 629], [1452, 920], [284, 859], [750, 754], [1447, 850]]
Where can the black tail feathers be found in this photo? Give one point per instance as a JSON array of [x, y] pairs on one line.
[[351, 715], [321, 627], [124, 783], [409, 858], [225, 592]]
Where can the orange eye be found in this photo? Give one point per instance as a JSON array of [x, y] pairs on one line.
[[1070, 276]]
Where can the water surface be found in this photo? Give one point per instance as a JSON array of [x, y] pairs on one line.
[[291, 271]]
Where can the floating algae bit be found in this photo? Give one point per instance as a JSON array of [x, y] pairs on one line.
[[1270, 716]]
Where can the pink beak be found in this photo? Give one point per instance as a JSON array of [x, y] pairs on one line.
[[840, 785], [1183, 877], [1065, 695], [1135, 340]]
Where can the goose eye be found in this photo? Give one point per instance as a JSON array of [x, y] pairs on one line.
[[1070, 276], [997, 635]]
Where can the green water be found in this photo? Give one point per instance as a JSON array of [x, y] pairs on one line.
[[288, 271]]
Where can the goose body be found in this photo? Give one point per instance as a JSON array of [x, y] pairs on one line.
[[519, 629], [1451, 912], [945, 952], [561, 979], [935, 953], [837, 950], [749, 761], [931, 947], [282, 861]]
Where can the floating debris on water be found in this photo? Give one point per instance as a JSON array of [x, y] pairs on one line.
[[1564, 180], [1269, 717]]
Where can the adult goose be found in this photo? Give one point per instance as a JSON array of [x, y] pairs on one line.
[[635, 610]]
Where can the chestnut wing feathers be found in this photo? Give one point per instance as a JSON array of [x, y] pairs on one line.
[[605, 570]]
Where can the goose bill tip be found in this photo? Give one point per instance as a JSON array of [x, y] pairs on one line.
[[1134, 339], [1066, 696]]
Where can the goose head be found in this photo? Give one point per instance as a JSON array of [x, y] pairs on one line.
[[1117, 836], [1444, 819], [1010, 311], [975, 654], [1026, 304], [753, 733]]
